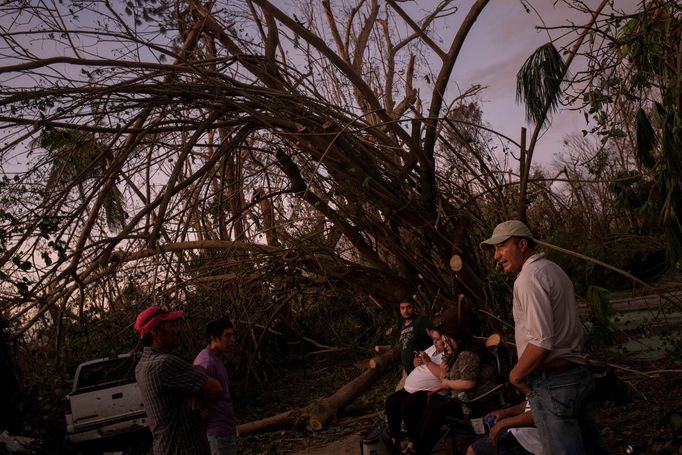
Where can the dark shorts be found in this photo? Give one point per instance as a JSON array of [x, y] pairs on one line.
[[506, 445]]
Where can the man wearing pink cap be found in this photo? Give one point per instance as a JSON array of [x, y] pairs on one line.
[[170, 386]]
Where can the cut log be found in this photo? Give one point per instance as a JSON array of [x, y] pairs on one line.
[[316, 415], [290, 419], [456, 263], [323, 411], [386, 359]]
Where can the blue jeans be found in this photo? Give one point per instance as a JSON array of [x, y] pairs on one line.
[[562, 408], [223, 445]]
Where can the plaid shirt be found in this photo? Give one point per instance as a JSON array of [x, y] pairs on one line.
[[167, 383]]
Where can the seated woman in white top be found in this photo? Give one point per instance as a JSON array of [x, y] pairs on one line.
[[425, 376]]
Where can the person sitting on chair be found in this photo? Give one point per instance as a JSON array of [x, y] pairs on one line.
[[425, 376], [513, 433], [466, 367]]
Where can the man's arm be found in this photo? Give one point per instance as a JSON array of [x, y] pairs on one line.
[[511, 411], [530, 360], [535, 302], [212, 389], [459, 385]]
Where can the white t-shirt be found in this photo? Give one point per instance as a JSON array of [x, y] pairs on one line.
[[528, 437], [421, 377]]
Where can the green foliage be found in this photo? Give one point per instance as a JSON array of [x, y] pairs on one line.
[[75, 157], [646, 140], [648, 52], [642, 255], [9, 381], [113, 209], [671, 216], [602, 331], [631, 191], [538, 82]]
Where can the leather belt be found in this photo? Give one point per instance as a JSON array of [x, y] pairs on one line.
[[556, 366]]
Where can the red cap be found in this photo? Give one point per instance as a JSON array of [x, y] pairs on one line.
[[153, 316]]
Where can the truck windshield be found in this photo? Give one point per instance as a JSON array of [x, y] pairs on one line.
[[107, 373]]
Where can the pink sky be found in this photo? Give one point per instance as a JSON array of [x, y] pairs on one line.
[[498, 44]]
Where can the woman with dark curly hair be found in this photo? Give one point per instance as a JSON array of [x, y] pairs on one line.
[[467, 366]]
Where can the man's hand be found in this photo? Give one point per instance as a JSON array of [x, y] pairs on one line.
[[519, 382], [512, 417], [498, 414], [212, 389], [530, 361], [424, 357], [495, 431]]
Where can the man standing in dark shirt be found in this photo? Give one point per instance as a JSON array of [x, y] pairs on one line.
[[413, 335]]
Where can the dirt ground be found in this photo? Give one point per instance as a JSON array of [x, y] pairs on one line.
[[349, 444]]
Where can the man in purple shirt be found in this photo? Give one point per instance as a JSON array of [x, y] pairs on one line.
[[221, 422]]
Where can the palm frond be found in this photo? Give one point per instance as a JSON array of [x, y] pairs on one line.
[[113, 209], [72, 155], [538, 83], [646, 140]]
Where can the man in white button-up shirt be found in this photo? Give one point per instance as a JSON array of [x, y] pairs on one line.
[[551, 370]]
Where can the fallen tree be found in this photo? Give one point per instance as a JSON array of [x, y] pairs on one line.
[[386, 359], [318, 414]]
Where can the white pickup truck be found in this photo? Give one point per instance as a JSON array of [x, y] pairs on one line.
[[105, 400]]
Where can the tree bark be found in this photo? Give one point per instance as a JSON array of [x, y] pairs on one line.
[[323, 411], [386, 359], [318, 414]]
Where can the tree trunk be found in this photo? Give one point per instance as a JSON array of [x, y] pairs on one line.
[[323, 411], [386, 359], [316, 415], [289, 419]]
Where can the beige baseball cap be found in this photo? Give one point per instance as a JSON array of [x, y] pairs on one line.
[[506, 229]]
